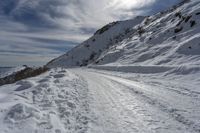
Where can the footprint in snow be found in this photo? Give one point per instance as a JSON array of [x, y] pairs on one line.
[[44, 80], [57, 131], [63, 71], [59, 76], [18, 113], [56, 81], [23, 85]]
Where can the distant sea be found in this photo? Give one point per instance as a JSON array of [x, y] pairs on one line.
[[4, 70]]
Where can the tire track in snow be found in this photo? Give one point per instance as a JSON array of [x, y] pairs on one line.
[[121, 94], [173, 112]]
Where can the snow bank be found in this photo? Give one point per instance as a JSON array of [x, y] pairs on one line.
[[135, 69], [167, 70]]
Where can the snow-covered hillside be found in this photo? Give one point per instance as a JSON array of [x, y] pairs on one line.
[[88, 52], [169, 38]]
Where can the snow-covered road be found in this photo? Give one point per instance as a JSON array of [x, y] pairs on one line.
[[89, 101], [123, 105]]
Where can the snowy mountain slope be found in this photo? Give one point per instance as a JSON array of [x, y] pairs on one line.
[[90, 50], [169, 38]]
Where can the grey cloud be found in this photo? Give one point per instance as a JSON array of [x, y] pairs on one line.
[[34, 13], [159, 5]]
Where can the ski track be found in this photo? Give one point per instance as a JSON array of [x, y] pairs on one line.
[[85, 101]]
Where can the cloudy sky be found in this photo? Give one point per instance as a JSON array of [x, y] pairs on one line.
[[35, 31]]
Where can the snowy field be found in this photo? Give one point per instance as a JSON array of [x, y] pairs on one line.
[[97, 101]]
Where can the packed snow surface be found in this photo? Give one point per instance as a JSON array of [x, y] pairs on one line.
[[94, 101]]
